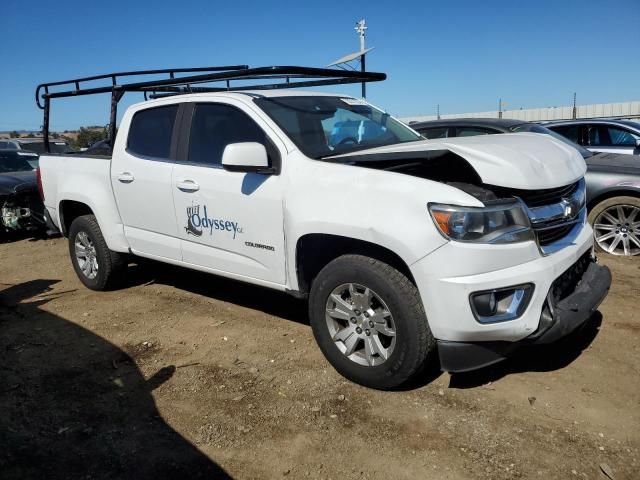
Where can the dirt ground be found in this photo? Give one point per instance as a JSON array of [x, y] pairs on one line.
[[186, 375]]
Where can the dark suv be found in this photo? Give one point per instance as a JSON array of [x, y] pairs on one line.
[[613, 180]]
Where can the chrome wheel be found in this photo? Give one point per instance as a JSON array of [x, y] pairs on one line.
[[617, 230], [360, 324], [86, 255]]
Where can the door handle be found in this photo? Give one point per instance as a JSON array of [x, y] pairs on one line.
[[187, 185], [126, 177]]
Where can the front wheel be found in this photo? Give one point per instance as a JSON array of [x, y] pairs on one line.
[[97, 267], [616, 225], [369, 321]]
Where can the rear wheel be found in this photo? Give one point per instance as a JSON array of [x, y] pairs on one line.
[[616, 225], [369, 322], [97, 267]]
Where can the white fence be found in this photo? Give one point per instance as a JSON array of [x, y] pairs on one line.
[[597, 110]]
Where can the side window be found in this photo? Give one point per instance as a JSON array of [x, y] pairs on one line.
[[214, 126], [472, 131], [621, 138], [595, 136], [430, 133], [572, 132], [151, 130]]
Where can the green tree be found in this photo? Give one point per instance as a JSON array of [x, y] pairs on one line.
[[87, 136], [14, 134]]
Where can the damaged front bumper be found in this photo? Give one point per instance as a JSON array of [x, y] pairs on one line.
[[572, 299], [22, 210]]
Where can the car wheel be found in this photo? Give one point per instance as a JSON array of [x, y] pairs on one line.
[[616, 225], [97, 267], [369, 322]]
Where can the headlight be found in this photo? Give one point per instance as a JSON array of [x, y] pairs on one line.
[[499, 223]]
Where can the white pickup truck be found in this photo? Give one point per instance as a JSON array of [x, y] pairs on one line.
[[410, 251]]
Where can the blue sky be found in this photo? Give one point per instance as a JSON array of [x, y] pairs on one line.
[[463, 55]]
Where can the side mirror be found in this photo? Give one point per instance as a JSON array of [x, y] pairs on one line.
[[637, 142], [246, 157]]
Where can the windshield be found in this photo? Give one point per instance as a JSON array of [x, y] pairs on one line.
[[13, 162], [534, 128], [326, 126]]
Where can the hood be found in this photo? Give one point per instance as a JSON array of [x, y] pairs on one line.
[[15, 182], [526, 161], [614, 162]]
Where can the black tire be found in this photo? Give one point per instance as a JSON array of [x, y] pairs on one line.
[[111, 265], [625, 202], [414, 345]]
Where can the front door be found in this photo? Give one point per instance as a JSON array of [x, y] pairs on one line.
[[228, 221], [141, 179]]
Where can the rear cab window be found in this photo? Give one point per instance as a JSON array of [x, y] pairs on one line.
[[151, 131]]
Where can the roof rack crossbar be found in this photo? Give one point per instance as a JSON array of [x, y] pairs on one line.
[[294, 77], [114, 77]]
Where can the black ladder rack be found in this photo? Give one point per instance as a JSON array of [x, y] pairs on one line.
[[269, 78]]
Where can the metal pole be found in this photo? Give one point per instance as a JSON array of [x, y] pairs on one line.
[[438, 111], [575, 110], [116, 95], [500, 108], [363, 69], [361, 28], [45, 126]]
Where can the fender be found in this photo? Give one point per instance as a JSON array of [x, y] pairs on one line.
[[366, 206]]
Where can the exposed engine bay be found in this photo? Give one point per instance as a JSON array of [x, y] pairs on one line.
[[21, 207], [21, 211], [451, 169]]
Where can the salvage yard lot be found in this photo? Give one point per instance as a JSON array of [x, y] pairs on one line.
[[186, 375]]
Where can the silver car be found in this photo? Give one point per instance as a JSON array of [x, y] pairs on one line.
[[610, 136]]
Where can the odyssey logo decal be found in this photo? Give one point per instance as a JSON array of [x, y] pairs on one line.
[[198, 221]]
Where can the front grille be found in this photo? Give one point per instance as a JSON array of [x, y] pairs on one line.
[[550, 235], [538, 198], [547, 232]]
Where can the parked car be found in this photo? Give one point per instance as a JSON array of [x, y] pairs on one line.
[[612, 136], [403, 247], [35, 145], [613, 180], [21, 207], [101, 147]]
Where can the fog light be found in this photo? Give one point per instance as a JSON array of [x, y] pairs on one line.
[[501, 305]]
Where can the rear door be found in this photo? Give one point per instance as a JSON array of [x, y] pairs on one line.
[[141, 179], [228, 221]]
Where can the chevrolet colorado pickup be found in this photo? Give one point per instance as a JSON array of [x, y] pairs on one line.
[[410, 251]]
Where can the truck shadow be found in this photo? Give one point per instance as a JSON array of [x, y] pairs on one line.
[[32, 236], [258, 298], [534, 358], [76, 406], [527, 359]]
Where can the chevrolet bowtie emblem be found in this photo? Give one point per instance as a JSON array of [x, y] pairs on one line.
[[569, 209]]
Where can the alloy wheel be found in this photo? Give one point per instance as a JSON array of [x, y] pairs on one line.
[[617, 230], [360, 324], [86, 255]]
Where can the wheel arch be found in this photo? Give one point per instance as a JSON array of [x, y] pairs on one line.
[[315, 250], [69, 210], [606, 195]]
